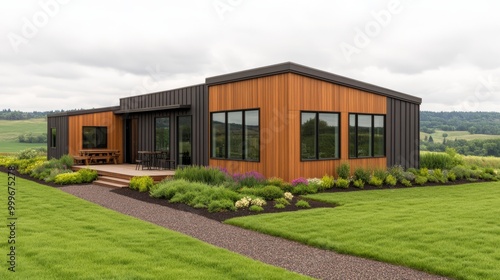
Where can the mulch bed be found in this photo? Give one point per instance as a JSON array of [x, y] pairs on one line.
[[222, 216]]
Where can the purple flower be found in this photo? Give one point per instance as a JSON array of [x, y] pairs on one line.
[[300, 180]]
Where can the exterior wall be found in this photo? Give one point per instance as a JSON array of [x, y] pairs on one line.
[[280, 99], [109, 119], [195, 96], [403, 126], [60, 123]]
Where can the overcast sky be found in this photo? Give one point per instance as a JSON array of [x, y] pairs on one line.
[[63, 54]]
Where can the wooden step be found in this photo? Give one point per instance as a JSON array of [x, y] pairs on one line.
[[110, 184]]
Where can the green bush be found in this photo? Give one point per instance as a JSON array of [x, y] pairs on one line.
[[281, 200], [489, 170], [409, 176], [275, 181], [375, 181], [208, 175], [359, 184], [287, 187], [327, 182], [141, 183], [88, 175], [54, 172], [344, 170], [461, 172], [362, 174], [440, 176], [412, 170], [279, 206], [342, 183], [221, 205], [267, 192], [67, 161], [420, 180], [302, 189], [68, 178], [451, 176], [381, 174], [391, 180], [397, 171], [302, 204], [424, 172], [406, 183], [28, 154], [255, 208], [446, 160]]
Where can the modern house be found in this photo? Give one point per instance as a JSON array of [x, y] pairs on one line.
[[284, 120]]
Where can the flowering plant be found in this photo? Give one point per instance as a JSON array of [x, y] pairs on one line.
[[249, 179], [244, 202], [259, 202], [316, 181], [288, 195], [299, 181]]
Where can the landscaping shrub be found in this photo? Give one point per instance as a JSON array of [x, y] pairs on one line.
[[375, 181], [243, 202], [54, 172], [412, 170], [438, 160], [380, 173], [258, 202], [327, 182], [406, 183], [344, 170], [420, 180], [397, 171], [255, 208], [391, 180], [461, 172], [490, 171], [302, 189], [267, 192], [275, 181], [249, 179], [208, 175], [362, 174], [302, 204], [141, 183], [440, 176], [67, 161], [88, 175], [299, 181], [342, 183], [451, 176], [359, 184], [68, 178], [221, 205], [409, 176], [424, 172], [281, 200], [288, 195], [279, 206], [287, 187], [28, 154]]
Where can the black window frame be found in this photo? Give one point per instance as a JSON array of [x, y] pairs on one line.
[[95, 132], [372, 129], [227, 137], [169, 133], [53, 137], [317, 151]]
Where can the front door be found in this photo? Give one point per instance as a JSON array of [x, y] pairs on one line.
[[184, 143]]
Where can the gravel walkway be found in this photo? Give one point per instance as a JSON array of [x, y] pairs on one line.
[[292, 256]]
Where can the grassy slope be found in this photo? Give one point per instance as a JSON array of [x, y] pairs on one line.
[[452, 135], [452, 231], [10, 130], [62, 237]]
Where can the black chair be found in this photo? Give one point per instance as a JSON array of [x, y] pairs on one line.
[[164, 161]]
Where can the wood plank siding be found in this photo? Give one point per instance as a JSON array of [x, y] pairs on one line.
[[280, 99], [113, 123]]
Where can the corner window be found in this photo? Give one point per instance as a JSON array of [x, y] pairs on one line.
[[53, 137], [95, 137], [366, 136], [319, 136], [162, 134], [235, 135]]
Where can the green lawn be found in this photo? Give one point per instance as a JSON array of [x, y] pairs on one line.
[[60, 236], [451, 231], [452, 135], [10, 130]]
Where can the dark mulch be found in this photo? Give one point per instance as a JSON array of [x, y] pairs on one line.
[[222, 216]]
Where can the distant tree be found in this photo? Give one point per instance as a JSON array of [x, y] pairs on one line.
[[444, 137], [430, 139], [426, 138]]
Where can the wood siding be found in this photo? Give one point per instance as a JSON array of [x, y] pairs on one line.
[[280, 99], [108, 119], [60, 123]]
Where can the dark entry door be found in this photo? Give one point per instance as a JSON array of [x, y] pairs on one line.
[[131, 140], [184, 143]]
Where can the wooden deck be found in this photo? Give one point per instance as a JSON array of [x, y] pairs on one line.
[[119, 175]]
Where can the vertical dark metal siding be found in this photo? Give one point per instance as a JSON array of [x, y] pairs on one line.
[[196, 96], [60, 123], [403, 125]]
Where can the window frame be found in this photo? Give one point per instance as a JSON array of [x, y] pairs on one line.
[[169, 133], [227, 137], [53, 137], [372, 136], [95, 132], [316, 140]]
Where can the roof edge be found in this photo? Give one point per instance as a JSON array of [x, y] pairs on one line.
[[290, 67], [85, 111]]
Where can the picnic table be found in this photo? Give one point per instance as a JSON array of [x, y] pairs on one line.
[[155, 160], [95, 156]]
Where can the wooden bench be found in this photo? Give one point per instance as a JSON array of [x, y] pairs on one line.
[[98, 156], [81, 160]]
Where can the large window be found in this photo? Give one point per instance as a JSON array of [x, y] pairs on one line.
[[319, 136], [53, 137], [95, 137], [235, 135], [162, 134], [366, 136], [184, 137]]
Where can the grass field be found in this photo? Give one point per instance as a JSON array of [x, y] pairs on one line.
[[10, 130], [59, 236], [452, 135], [450, 231]]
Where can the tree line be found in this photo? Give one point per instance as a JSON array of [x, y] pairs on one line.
[[477, 147], [473, 122]]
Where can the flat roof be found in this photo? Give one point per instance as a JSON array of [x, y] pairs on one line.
[[290, 67], [85, 111]]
